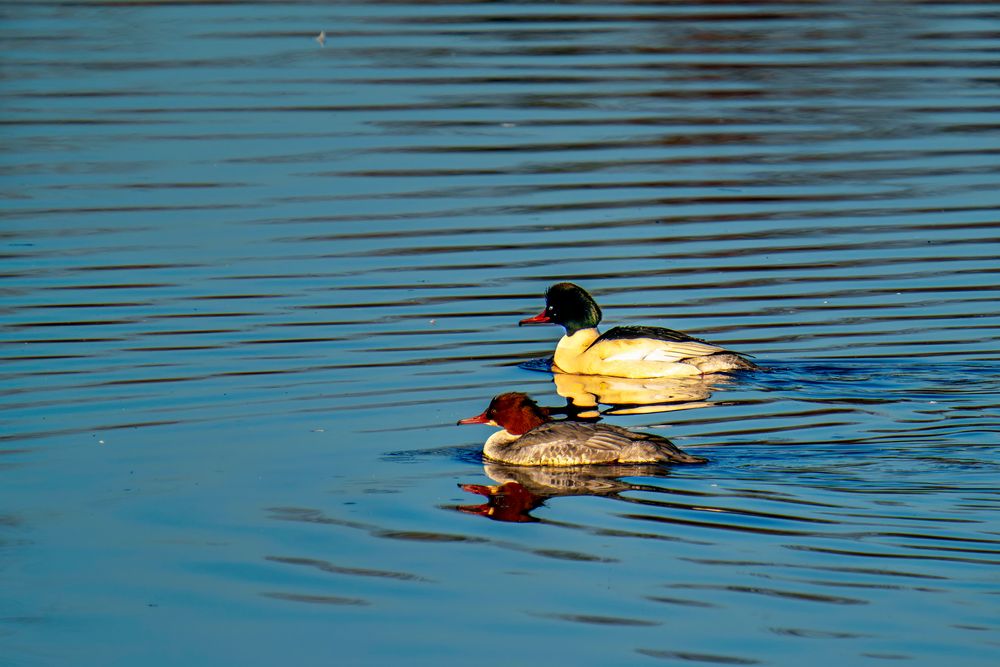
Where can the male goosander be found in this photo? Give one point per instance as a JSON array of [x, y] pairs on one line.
[[629, 352], [530, 438]]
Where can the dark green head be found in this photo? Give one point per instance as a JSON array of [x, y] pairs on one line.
[[570, 306]]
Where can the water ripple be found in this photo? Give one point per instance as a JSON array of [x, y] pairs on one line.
[[244, 269]]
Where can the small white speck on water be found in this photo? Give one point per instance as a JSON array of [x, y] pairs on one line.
[[319, 430], [321, 38]]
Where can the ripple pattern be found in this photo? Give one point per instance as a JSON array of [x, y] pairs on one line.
[[250, 279]]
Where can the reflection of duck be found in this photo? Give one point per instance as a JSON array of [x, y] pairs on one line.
[[631, 352], [521, 489], [530, 438], [509, 501], [633, 396], [550, 481]]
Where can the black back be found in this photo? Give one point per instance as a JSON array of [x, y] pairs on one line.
[[656, 333]]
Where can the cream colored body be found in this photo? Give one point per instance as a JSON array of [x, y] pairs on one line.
[[494, 443], [503, 446], [636, 357]]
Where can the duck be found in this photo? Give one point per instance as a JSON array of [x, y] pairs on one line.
[[529, 437], [636, 352]]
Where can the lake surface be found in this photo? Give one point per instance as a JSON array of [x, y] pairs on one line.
[[251, 279]]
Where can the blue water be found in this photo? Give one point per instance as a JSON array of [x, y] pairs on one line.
[[250, 282]]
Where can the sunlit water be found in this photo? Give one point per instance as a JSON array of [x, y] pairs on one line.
[[250, 281]]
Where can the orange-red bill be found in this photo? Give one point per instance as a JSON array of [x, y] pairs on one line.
[[540, 318], [478, 419]]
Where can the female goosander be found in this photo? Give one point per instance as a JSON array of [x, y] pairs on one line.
[[530, 438], [629, 352]]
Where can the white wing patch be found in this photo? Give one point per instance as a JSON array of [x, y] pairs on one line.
[[663, 351]]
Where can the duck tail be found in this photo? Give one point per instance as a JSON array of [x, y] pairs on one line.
[[682, 457]]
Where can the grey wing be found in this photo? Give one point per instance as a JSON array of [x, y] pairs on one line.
[[652, 447], [577, 440]]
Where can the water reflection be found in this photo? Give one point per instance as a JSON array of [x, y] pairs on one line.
[[519, 489], [585, 394], [509, 501], [238, 267]]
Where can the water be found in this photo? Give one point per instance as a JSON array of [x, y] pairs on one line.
[[250, 282]]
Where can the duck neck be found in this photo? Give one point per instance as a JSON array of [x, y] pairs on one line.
[[520, 422], [571, 346], [497, 443]]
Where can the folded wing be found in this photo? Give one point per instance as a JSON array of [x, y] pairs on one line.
[[572, 441], [651, 344]]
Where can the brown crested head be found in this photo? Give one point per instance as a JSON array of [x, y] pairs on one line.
[[516, 413]]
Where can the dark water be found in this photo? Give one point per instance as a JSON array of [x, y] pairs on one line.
[[250, 282]]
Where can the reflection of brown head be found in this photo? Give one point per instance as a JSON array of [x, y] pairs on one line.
[[506, 502]]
